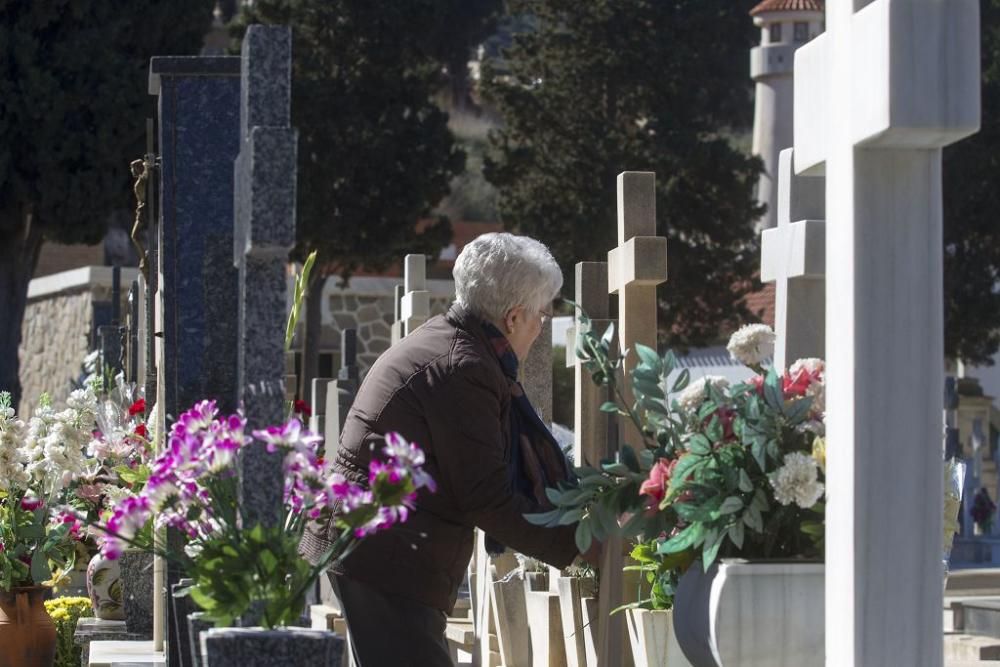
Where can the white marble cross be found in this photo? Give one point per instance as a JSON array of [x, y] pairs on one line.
[[635, 268], [415, 306], [876, 98], [792, 256]]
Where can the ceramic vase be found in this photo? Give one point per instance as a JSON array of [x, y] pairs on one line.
[[104, 587], [27, 633]]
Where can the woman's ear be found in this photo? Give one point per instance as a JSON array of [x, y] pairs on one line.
[[510, 320]]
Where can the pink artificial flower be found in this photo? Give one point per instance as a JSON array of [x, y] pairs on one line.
[[302, 408], [139, 407], [659, 480], [31, 503]]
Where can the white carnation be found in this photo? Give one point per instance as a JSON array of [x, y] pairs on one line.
[[12, 432], [797, 481], [752, 344], [694, 394]]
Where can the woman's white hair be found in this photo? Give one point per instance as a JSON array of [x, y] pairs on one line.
[[498, 271]]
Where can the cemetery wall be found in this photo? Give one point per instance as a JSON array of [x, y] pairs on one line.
[[62, 314], [366, 305]]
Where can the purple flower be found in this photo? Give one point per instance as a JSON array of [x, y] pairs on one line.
[[31, 502]]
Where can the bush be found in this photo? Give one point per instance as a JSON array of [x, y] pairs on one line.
[[65, 612]]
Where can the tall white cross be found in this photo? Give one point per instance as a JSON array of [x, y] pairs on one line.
[[635, 268], [415, 306], [792, 256], [876, 98]]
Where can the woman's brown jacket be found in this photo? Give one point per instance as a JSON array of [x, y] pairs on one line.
[[441, 387]]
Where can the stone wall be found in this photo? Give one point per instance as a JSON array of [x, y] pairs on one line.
[[367, 306], [57, 328]]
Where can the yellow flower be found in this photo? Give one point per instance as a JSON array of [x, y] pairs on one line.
[[819, 452]]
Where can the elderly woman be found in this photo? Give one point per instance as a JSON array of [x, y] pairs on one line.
[[452, 387]]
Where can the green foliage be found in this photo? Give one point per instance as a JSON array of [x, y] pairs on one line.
[[65, 613], [594, 88], [972, 217], [73, 105], [33, 546], [298, 296], [375, 152]]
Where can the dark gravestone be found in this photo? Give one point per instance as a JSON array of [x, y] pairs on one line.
[[265, 177], [199, 139], [198, 106]]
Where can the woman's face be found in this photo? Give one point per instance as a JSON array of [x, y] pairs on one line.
[[522, 327]]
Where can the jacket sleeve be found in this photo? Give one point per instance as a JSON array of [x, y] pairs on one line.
[[472, 456]]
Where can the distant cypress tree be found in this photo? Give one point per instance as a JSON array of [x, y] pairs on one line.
[[73, 106], [599, 87], [972, 218]]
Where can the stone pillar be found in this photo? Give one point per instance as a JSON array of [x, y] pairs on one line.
[[265, 177], [397, 332], [340, 393], [536, 373]]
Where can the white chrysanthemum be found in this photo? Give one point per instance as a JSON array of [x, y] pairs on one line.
[[752, 344], [797, 481], [694, 394]]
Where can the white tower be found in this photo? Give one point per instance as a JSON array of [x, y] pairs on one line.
[[785, 25]]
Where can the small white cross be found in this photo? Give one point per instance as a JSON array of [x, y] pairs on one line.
[[793, 257], [415, 306]]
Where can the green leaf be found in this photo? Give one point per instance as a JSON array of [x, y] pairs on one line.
[[571, 516], [40, 570], [730, 505], [543, 518], [688, 537], [583, 536], [699, 445], [681, 383], [772, 391], [608, 336], [713, 541], [554, 495], [745, 484], [736, 534], [609, 406], [649, 357]]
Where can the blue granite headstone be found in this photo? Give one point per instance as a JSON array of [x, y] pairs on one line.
[[265, 176], [199, 137]]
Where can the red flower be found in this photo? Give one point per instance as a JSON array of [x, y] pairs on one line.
[[139, 407], [302, 408], [141, 431], [659, 479], [758, 383], [797, 385]]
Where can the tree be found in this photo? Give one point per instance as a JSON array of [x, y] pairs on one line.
[[599, 87], [972, 218], [73, 104], [375, 152]]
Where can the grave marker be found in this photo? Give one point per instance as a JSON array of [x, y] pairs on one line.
[[415, 305], [265, 178], [340, 392], [876, 98], [793, 257], [396, 332]]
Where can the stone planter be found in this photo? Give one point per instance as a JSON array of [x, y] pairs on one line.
[[104, 588], [137, 591], [654, 644], [752, 614], [256, 647], [27, 634]]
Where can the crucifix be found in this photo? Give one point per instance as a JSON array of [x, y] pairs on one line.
[[876, 99], [792, 256]]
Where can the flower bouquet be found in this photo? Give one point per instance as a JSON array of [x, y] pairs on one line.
[[722, 470], [240, 570], [37, 461]]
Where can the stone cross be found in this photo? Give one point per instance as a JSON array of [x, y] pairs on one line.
[[536, 373], [876, 98], [265, 177], [590, 425], [340, 392], [635, 268], [792, 256], [396, 333], [317, 397], [415, 306]]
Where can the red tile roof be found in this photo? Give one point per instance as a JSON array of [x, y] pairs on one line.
[[789, 6], [761, 303]]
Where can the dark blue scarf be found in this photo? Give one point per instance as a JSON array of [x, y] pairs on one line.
[[536, 461]]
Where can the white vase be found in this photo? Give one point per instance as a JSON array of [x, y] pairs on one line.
[[752, 614], [654, 644], [104, 588]]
